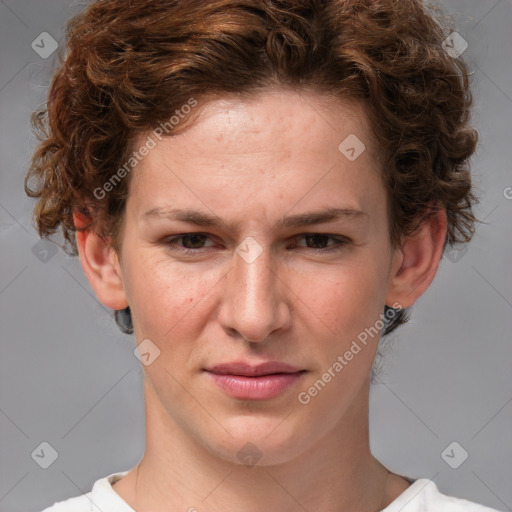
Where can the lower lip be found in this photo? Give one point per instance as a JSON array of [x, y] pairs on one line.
[[255, 388]]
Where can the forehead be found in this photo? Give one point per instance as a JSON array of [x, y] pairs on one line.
[[274, 119], [277, 144]]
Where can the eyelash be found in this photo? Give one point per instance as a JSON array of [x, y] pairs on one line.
[[338, 243]]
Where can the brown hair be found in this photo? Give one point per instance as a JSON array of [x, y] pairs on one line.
[[131, 65]]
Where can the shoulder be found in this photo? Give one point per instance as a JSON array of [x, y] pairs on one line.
[[101, 498], [424, 496], [78, 504]]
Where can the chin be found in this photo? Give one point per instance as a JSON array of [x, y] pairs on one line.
[[258, 441]]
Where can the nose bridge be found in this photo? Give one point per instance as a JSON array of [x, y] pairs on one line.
[[254, 277], [252, 302]]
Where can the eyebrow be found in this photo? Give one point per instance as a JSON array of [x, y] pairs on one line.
[[293, 221]]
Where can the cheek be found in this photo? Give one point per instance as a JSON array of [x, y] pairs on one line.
[[344, 298], [163, 294]]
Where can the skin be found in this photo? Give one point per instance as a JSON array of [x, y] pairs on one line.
[[251, 162]]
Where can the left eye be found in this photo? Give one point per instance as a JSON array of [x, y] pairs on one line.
[[192, 242], [322, 239]]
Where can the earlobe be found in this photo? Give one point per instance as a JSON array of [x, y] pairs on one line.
[[100, 264], [416, 262]]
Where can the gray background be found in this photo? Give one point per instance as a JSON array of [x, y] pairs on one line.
[[68, 377]]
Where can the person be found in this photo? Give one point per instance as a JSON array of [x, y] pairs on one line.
[[259, 189]]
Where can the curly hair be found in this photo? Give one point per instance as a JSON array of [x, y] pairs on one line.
[[130, 65]]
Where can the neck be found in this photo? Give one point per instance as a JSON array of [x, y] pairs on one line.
[[337, 473]]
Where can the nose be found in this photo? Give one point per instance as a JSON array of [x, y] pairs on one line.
[[255, 299]]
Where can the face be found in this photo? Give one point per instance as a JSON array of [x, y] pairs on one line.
[[264, 279]]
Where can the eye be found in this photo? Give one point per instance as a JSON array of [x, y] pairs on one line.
[[321, 239], [194, 242]]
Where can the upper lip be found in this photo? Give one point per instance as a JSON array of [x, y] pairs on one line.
[[248, 370]]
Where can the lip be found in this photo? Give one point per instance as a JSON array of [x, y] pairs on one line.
[[262, 382], [248, 370]]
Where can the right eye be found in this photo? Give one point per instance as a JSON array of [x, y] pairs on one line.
[[192, 242]]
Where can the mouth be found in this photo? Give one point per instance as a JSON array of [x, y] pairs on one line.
[[262, 382], [244, 369]]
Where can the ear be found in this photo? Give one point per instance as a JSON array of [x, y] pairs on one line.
[[101, 265], [416, 262]]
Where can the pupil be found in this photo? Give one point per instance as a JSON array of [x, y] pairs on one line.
[[192, 237], [316, 237]]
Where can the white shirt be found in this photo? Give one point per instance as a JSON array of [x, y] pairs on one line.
[[421, 496]]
